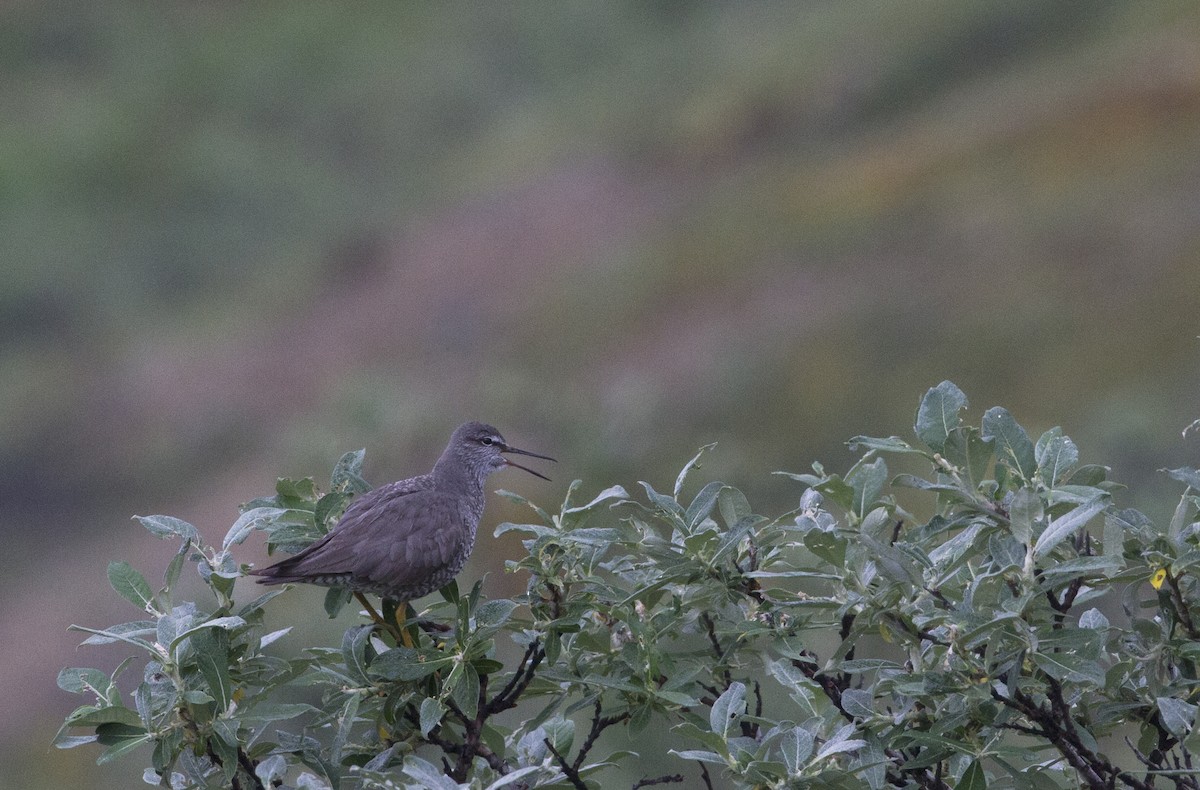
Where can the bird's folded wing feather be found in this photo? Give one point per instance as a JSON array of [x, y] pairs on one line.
[[387, 538]]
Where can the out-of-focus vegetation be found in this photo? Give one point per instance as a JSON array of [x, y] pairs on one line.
[[232, 233]]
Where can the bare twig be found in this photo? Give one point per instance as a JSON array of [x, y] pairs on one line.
[[571, 773], [600, 723], [522, 677], [660, 780]]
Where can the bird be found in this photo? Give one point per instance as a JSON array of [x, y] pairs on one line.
[[406, 539]]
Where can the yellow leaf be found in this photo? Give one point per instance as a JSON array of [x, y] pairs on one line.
[[1160, 576]]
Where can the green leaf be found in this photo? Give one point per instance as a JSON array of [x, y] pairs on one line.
[[429, 775], [938, 414], [892, 444], [112, 714], [71, 741], [1012, 443], [174, 567], [345, 723], [1024, 512], [973, 778], [661, 501], [604, 497], [689, 467], [1178, 716], [228, 623], [698, 754], [130, 585], [867, 480], [968, 452], [175, 622], [1060, 528], [1056, 455], [354, 651], [728, 707], [796, 746], [733, 506], [330, 507], [702, 505], [432, 711], [859, 703], [255, 518], [1068, 667], [304, 490], [512, 777], [211, 646], [274, 711], [273, 636], [1186, 475], [1093, 618], [840, 746], [406, 663], [466, 691], [113, 636], [335, 599], [827, 546], [347, 474], [123, 746], [494, 613], [167, 526], [224, 743], [78, 680]]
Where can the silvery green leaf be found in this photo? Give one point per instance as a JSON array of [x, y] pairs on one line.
[[699, 754], [270, 769], [1065, 525], [273, 636], [1056, 456], [730, 705], [347, 474], [689, 467], [166, 526], [512, 777], [1177, 715], [130, 585], [938, 414], [608, 494], [859, 703], [1186, 475], [1013, 445], [432, 711], [227, 623], [1024, 512], [797, 746], [252, 519], [867, 480]]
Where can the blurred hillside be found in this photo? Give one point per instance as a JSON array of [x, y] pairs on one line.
[[238, 240]]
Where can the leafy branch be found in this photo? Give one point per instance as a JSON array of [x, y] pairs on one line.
[[996, 617]]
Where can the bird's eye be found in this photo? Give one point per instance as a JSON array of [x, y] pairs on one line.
[[487, 441]]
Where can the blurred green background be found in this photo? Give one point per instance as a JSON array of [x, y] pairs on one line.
[[238, 240]]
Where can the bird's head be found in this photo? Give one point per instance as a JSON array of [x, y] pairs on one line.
[[481, 448]]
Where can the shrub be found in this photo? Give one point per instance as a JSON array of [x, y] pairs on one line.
[[1025, 632]]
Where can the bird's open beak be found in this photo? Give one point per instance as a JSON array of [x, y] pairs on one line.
[[507, 449]]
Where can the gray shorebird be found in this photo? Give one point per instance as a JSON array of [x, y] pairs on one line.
[[406, 539]]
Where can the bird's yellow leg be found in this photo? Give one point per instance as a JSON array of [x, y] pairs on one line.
[[380, 621], [399, 626]]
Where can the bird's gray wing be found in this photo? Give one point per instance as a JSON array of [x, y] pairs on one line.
[[381, 496], [329, 555], [407, 540], [397, 540]]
